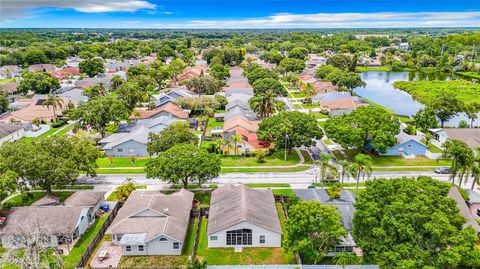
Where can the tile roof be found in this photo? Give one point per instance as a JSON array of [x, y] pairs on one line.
[[231, 205], [169, 215], [249, 138], [168, 107], [240, 122], [31, 109]]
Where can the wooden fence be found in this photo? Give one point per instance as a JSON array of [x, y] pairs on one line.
[[91, 247]]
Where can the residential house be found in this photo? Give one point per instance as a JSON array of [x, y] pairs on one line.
[[11, 132], [474, 203], [330, 96], [404, 46], [60, 223], [66, 73], [167, 109], [470, 136], [249, 143], [90, 82], [455, 194], [152, 223], [30, 109], [131, 144], [174, 94], [9, 71], [341, 103], [193, 72], [344, 206], [407, 145], [243, 217], [73, 62], [155, 125], [49, 68], [10, 87], [240, 122]]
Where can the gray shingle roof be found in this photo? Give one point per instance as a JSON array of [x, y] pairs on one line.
[[169, 215], [85, 198], [9, 128], [231, 205], [139, 134]]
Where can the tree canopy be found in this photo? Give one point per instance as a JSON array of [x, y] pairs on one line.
[[176, 133], [364, 127], [91, 67], [263, 85], [38, 82], [184, 164], [411, 223]]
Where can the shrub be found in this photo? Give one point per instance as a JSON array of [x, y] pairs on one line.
[[260, 156], [334, 191], [57, 123]]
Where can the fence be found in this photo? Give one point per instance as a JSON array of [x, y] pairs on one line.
[[91, 247]]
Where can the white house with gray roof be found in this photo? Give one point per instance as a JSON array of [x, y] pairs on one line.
[[129, 144], [243, 217], [152, 223]]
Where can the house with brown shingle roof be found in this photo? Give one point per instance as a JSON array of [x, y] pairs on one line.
[[167, 109], [196, 71], [31, 109], [243, 217], [152, 223], [240, 122], [41, 68]]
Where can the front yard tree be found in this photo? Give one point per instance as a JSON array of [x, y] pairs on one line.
[[38, 82], [411, 223], [265, 104], [361, 166], [309, 90], [176, 133], [304, 129], [446, 106], [184, 164], [269, 84], [425, 119], [219, 71], [131, 93], [312, 229], [351, 80], [3, 101], [98, 112], [292, 65], [55, 102], [364, 127], [91, 67]]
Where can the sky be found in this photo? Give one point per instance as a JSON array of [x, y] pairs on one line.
[[238, 14]]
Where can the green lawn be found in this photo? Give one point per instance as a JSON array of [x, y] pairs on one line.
[[400, 161], [284, 192], [311, 106], [223, 256], [306, 156], [26, 199], [121, 162], [153, 261], [139, 170], [46, 134], [276, 159], [267, 185], [65, 130], [72, 259], [327, 142], [432, 148], [212, 123], [388, 110], [258, 169], [5, 80], [469, 74], [297, 95]]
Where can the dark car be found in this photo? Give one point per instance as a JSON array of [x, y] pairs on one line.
[[442, 170]]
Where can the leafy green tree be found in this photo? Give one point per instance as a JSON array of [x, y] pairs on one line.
[[323, 71], [344, 258], [98, 112], [91, 67], [325, 167], [203, 85], [309, 91], [472, 111], [446, 106], [425, 119], [8, 183], [95, 91], [164, 52], [304, 129], [260, 73], [459, 153], [298, 53], [49, 162], [269, 84], [339, 61], [35, 56], [176, 133], [350, 80], [220, 72], [131, 93], [176, 67], [3, 101], [312, 229], [475, 172], [123, 191], [184, 163], [116, 81], [411, 223], [38, 82], [292, 65], [365, 126], [216, 60], [272, 57]]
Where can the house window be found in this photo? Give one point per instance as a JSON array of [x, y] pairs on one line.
[[176, 245], [141, 248], [213, 238], [478, 213], [128, 248], [262, 239], [119, 237], [120, 150], [163, 239], [239, 237]]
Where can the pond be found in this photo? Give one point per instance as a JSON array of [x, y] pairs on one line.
[[380, 90]]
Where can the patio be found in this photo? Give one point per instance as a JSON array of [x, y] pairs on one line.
[[114, 255]]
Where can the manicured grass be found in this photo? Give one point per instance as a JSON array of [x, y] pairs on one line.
[[327, 142], [65, 130], [405, 119], [372, 68], [400, 161], [224, 256], [5, 80], [139, 170], [426, 91], [306, 156], [284, 192], [267, 185], [393, 169], [388, 110], [431, 147], [25, 199], [121, 162], [276, 159], [212, 123], [46, 134], [152, 261], [469, 74], [72, 259], [257, 169], [297, 95], [203, 197], [311, 106]]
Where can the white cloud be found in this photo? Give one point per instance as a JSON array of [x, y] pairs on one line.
[[341, 20], [17, 9]]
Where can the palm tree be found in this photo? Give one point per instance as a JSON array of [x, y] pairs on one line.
[[476, 172], [345, 167], [454, 150], [325, 167], [466, 161], [344, 258], [362, 165], [236, 138], [55, 102], [264, 104], [309, 91], [218, 146], [287, 126], [228, 142], [428, 137]]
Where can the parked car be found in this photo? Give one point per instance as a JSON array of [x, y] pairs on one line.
[[442, 170], [311, 187]]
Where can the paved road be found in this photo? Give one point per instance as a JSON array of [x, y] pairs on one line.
[[302, 177]]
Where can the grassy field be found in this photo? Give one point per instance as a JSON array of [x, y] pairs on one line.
[[276, 159], [72, 259], [432, 148], [469, 74], [223, 256], [5, 80], [121, 162], [181, 260], [258, 169]]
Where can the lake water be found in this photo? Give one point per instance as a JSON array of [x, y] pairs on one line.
[[380, 90]]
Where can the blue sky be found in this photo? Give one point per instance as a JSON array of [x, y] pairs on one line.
[[239, 13]]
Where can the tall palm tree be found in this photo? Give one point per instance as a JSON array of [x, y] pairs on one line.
[[325, 167], [228, 143], [476, 172], [454, 150], [236, 138], [309, 91], [362, 164], [345, 168], [53, 101], [218, 146], [466, 161], [264, 104]]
